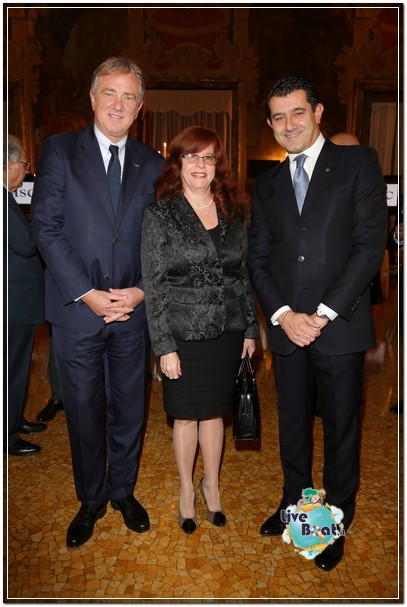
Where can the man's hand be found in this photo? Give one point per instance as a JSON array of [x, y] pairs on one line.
[[123, 303], [300, 328], [117, 305], [98, 302]]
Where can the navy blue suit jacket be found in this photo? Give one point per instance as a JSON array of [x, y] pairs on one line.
[[329, 253], [83, 246]]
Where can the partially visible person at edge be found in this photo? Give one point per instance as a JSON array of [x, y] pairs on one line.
[[311, 268], [24, 294], [90, 193], [200, 309], [396, 246], [54, 403], [345, 139]]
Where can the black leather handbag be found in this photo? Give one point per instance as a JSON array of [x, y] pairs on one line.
[[246, 423]]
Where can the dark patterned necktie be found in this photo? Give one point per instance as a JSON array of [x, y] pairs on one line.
[[114, 177], [300, 181]]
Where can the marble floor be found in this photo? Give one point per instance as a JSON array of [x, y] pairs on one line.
[[233, 563]]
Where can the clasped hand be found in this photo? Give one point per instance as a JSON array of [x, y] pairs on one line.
[[115, 305], [300, 328]]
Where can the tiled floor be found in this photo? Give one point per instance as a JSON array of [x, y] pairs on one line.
[[234, 562]]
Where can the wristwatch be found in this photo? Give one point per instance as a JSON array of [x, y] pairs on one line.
[[320, 314]]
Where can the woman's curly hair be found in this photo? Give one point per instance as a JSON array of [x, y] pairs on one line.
[[231, 200]]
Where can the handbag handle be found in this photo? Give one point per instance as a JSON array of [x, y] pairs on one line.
[[246, 360]]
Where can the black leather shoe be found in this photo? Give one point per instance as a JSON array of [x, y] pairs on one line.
[[331, 556], [81, 528], [23, 447], [134, 515], [274, 525], [31, 427], [50, 410]]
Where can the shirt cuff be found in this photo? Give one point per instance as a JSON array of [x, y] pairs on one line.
[[325, 310], [397, 241], [277, 314], [79, 298]]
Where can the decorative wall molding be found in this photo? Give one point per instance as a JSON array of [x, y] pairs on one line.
[[370, 58], [23, 85], [218, 55]]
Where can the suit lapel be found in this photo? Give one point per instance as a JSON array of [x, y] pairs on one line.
[[283, 186], [321, 180], [131, 180]]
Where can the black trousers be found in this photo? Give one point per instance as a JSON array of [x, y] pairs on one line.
[[339, 383], [53, 378], [20, 345], [105, 434]]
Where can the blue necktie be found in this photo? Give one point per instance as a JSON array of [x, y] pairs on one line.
[[300, 181], [114, 177]]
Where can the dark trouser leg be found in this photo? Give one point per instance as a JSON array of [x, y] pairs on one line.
[[20, 346], [105, 446], [125, 411], [79, 358], [53, 371], [295, 388], [340, 386]]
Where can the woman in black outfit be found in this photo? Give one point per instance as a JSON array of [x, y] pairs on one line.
[[200, 308]]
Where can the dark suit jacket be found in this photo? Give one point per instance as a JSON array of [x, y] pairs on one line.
[[75, 230], [25, 272], [329, 254], [191, 293]]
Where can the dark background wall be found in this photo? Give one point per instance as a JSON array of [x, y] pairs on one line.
[[51, 53]]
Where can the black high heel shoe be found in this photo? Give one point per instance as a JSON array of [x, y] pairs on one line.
[[216, 518], [188, 525]]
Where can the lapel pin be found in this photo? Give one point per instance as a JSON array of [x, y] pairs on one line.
[[327, 170]]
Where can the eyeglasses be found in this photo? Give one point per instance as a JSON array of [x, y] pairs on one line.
[[27, 165], [193, 158]]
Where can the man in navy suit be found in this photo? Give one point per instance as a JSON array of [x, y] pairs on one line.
[[87, 224], [24, 294], [312, 257]]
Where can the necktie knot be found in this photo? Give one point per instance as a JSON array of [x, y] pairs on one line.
[[114, 150], [299, 161], [300, 180]]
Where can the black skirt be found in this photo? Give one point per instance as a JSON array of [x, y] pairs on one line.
[[209, 369]]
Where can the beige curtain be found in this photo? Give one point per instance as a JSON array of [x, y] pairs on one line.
[[167, 112], [384, 135]]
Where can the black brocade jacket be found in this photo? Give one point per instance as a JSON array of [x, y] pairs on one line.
[[190, 292]]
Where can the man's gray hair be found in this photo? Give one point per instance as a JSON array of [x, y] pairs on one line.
[[12, 150], [118, 65]]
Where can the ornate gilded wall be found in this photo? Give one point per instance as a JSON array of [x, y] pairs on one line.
[[53, 51]]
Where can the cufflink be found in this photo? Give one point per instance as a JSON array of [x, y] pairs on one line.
[[320, 314]]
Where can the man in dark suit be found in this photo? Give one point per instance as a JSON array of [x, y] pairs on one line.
[[396, 246], [24, 294], [90, 193], [316, 241]]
